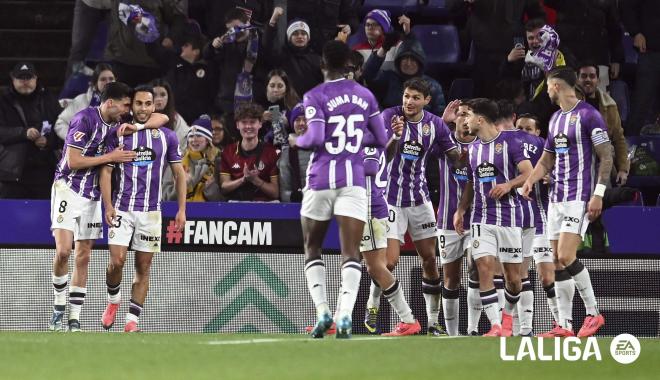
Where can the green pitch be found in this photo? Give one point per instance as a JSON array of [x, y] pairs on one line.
[[258, 356]]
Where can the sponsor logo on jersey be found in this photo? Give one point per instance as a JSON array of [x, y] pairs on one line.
[[411, 150], [145, 156], [486, 172], [78, 136], [562, 144], [310, 112]]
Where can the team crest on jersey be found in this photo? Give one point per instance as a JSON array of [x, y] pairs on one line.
[[426, 129], [498, 148], [145, 156], [310, 112], [60, 218], [78, 136], [200, 73], [573, 119], [155, 133], [475, 243]]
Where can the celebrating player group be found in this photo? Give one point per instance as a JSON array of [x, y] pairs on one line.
[[506, 197]]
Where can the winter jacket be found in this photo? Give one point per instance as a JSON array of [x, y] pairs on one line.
[[20, 159], [642, 16], [323, 16], [78, 104], [387, 85]]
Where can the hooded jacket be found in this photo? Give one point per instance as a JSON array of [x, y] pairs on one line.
[[388, 85]]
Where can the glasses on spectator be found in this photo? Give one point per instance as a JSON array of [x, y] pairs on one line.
[[371, 25], [585, 76]]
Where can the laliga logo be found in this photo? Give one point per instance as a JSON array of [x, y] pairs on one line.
[[624, 349]]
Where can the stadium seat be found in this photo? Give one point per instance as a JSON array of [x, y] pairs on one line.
[[396, 7], [657, 202], [461, 88], [638, 200], [440, 42], [629, 49], [621, 95]]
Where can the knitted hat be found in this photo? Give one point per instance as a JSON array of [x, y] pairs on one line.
[[297, 25], [201, 127], [382, 17], [297, 111]]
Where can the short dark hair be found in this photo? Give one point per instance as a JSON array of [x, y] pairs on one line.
[[196, 41], [505, 109], [116, 91], [357, 59], [582, 65], [144, 88], [565, 73], [418, 84], [236, 14], [336, 55], [531, 116], [249, 111], [484, 107], [533, 24]]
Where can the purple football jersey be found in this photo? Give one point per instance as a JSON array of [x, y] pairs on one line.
[[87, 132], [406, 185], [375, 167], [344, 110], [140, 181], [452, 183], [571, 137], [493, 163]]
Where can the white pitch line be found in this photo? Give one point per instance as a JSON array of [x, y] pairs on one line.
[[278, 340]]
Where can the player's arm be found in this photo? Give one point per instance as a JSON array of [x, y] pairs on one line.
[[77, 161], [312, 138], [463, 206], [181, 190], [604, 153], [105, 182], [397, 131], [378, 136], [525, 169], [156, 120], [543, 167], [456, 157]]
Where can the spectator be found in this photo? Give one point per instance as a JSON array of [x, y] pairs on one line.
[[87, 15], [126, 51], [409, 62], [327, 19], [641, 19], [235, 55], [27, 142], [256, 12], [588, 78], [591, 31], [281, 98], [164, 102], [293, 161], [492, 26], [296, 57], [377, 23], [248, 168], [220, 136], [355, 68], [199, 160], [194, 82], [103, 75]]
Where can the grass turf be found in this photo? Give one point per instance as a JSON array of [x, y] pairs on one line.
[[261, 356]]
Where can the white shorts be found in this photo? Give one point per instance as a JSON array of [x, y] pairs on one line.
[[374, 235], [418, 220], [505, 243], [528, 241], [70, 211], [452, 246], [139, 230], [347, 201], [566, 217], [542, 250]]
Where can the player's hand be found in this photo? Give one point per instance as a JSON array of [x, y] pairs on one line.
[[451, 111], [41, 142], [404, 21], [110, 214], [126, 129], [397, 125], [516, 54], [180, 220], [458, 223], [120, 155], [292, 140], [595, 207], [640, 42], [526, 189], [32, 134], [500, 190], [621, 178]]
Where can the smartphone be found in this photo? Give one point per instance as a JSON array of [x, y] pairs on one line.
[[275, 111], [518, 42]]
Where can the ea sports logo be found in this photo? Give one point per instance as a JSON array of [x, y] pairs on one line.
[[625, 348]]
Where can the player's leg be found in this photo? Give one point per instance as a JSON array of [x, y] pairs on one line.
[[524, 313], [60, 276], [510, 253], [350, 235], [450, 245], [473, 296], [139, 289], [545, 268], [484, 252], [113, 277]]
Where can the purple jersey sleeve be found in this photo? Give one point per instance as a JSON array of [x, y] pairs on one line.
[[549, 145], [517, 149], [80, 132], [371, 161], [315, 124], [111, 143], [173, 150], [443, 142], [596, 127], [378, 136]]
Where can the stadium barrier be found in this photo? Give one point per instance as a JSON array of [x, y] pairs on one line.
[[239, 268]]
